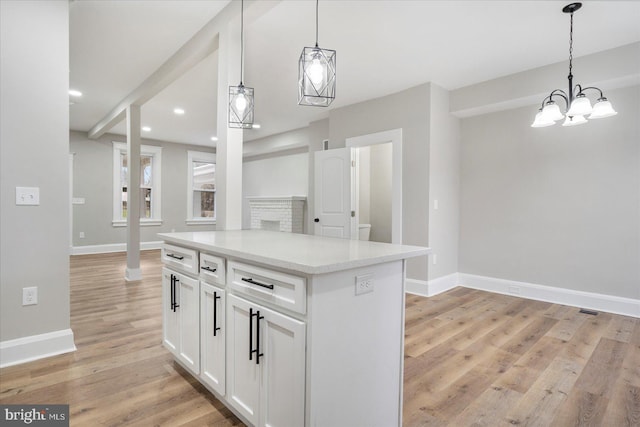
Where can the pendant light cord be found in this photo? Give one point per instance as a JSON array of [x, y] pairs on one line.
[[317, 1], [242, 38]]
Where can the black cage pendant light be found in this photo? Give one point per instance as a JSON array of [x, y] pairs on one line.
[[317, 74], [577, 106], [241, 99]]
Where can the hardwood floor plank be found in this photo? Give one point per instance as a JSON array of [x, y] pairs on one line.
[[603, 368]]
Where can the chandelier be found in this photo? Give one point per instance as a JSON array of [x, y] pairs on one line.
[[578, 105], [241, 99]]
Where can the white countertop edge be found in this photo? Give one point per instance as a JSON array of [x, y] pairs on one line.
[[294, 266]]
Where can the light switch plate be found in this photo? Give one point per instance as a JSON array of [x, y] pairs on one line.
[[28, 196]]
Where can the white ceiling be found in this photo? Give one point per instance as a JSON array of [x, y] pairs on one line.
[[382, 47]]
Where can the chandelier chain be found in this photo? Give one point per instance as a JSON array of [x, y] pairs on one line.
[[317, 1], [242, 39]]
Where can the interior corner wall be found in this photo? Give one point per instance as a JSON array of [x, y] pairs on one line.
[[408, 110], [34, 147], [444, 185], [93, 181], [555, 206], [381, 179]]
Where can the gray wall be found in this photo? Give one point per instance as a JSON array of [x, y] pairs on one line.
[[408, 110], [280, 175], [34, 116], [444, 185], [364, 185], [380, 196], [554, 206], [93, 181]]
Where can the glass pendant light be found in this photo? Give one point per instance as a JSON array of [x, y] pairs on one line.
[[316, 74], [602, 109], [542, 121], [241, 99], [579, 105]]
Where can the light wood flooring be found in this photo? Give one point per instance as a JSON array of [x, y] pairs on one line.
[[472, 358]]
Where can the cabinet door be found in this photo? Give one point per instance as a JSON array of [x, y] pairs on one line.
[[212, 336], [243, 375], [169, 316], [282, 397], [188, 299]]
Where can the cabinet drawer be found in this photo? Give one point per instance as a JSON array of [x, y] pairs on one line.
[[212, 269], [181, 258], [282, 289]]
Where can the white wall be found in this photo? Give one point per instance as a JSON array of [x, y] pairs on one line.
[[380, 195], [556, 206], [34, 152], [364, 185], [278, 175]]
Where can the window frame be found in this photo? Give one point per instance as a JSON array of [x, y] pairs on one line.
[[155, 153], [197, 156]]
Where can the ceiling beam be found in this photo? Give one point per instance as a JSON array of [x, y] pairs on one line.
[[200, 46]]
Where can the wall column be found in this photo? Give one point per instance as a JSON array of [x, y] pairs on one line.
[[133, 271], [229, 146]]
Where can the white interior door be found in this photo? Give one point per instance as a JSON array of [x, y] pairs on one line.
[[334, 170]]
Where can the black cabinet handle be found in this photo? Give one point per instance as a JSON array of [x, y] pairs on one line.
[[175, 293], [215, 313], [213, 270], [175, 256], [316, 220], [257, 349], [253, 282]]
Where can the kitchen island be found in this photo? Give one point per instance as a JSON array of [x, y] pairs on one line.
[[289, 329]]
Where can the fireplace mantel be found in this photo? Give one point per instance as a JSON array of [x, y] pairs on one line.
[[277, 213]]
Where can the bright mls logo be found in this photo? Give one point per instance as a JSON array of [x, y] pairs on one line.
[[36, 415]]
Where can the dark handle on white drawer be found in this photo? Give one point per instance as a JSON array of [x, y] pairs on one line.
[[213, 270], [175, 293], [253, 282], [175, 256], [215, 313]]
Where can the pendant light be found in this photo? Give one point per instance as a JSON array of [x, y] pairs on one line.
[[241, 99], [317, 74], [577, 106]]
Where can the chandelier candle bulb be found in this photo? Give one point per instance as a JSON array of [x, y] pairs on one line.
[[576, 101]]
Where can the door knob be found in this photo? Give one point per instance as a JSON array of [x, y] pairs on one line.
[[316, 220]]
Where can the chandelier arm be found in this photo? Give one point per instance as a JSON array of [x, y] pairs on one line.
[[592, 88]]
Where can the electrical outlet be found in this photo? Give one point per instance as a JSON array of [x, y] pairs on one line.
[[364, 284], [82, 234], [435, 259], [30, 295]]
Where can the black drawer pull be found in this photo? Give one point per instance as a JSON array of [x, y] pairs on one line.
[[253, 282], [215, 313], [175, 256], [213, 270], [257, 349]]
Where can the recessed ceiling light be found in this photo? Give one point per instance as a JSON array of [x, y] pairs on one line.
[[256, 126], [146, 128], [214, 138], [73, 92], [178, 111]]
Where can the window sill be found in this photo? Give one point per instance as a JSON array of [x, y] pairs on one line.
[[143, 222], [201, 222]]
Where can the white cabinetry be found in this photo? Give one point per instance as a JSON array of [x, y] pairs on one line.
[[265, 365], [181, 317], [212, 336]]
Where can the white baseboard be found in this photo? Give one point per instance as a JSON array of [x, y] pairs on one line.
[[593, 301], [432, 287], [113, 247], [27, 349]]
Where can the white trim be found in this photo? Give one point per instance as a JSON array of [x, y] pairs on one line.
[[393, 136], [144, 222], [34, 347], [132, 274], [593, 301], [156, 203], [113, 247], [432, 287], [197, 156], [200, 222]]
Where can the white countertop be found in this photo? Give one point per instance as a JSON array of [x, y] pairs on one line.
[[298, 252]]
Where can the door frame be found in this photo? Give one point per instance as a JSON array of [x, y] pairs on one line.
[[394, 136]]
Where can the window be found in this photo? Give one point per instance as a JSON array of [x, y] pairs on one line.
[[150, 195], [201, 188]]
